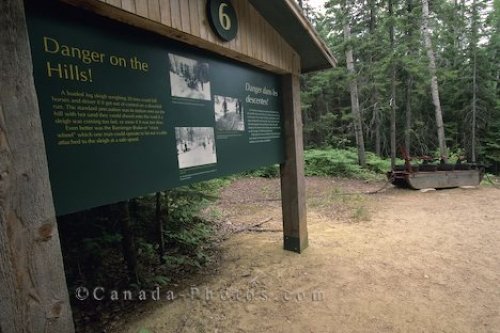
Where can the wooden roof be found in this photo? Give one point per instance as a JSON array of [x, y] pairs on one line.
[[287, 19]]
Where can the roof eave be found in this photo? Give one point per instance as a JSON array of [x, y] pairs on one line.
[[320, 43], [286, 17]]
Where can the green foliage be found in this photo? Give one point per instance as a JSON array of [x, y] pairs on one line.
[[270, 171], [92, 240], [343, 163], [466, 44], [334, 162], [93, 251], [189, 236]]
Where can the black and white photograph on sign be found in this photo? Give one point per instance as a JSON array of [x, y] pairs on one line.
[[195, 146], [228, 114], [189, 78]]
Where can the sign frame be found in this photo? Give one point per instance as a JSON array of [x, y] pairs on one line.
[[197, 102]]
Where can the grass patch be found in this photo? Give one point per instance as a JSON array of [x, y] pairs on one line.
[[491, 180], [360, 214], [344, 206]]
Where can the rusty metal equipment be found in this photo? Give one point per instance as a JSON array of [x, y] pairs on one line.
[[430, 174]]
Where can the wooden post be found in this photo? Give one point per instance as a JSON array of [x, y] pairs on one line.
[[33, 290], [293, 194]]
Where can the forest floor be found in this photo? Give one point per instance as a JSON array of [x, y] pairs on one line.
[[396, 261]]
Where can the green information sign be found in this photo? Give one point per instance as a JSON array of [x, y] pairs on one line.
[[126, 112]]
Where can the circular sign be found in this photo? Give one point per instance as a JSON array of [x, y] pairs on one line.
[[222, 18]]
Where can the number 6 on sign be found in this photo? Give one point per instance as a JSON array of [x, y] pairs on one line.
[[222, 18], [225, 20]]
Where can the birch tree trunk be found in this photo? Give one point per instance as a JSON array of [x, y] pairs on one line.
[[474, 108], [474, 41], [353, 87], [434, 83], [393, 89], [33, 290]]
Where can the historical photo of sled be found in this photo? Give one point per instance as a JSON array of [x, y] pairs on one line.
[[195, 146], [228, 114], [189, 78]]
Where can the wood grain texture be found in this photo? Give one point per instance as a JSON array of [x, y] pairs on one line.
[[237, 40], [185, 16], [293, 196], [165, 16], [256, 38], [129, 5], [194, 18], [33, 290], [154, 10], [204, 26], [114, 2], [141, 7], [175, 12]]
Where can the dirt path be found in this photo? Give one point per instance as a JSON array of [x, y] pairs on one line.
[[400, 261]]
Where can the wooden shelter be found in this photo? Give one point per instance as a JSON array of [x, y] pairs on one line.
[[272, 35]]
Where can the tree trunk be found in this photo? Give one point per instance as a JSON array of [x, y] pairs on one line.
[[374, 95], [408, 129], [393, 89], [128, 243], [159, 228], [33, 291], [393, 116], [378, 149], [454, 26], [495, 83], [474, 41], [353, 87], [409, 80], [434, 82], [474, 108]]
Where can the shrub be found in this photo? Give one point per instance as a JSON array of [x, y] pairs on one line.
[[333, 162], [343, 163], [270, 171]]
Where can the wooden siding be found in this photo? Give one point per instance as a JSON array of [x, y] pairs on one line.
[[256, 43]]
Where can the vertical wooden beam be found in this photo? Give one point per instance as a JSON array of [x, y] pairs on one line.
[[33, 290], [293, 194]]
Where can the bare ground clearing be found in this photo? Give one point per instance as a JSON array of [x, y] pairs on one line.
[[398, 261]]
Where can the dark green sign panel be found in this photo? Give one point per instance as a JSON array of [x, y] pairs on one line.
[[126, 112]]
